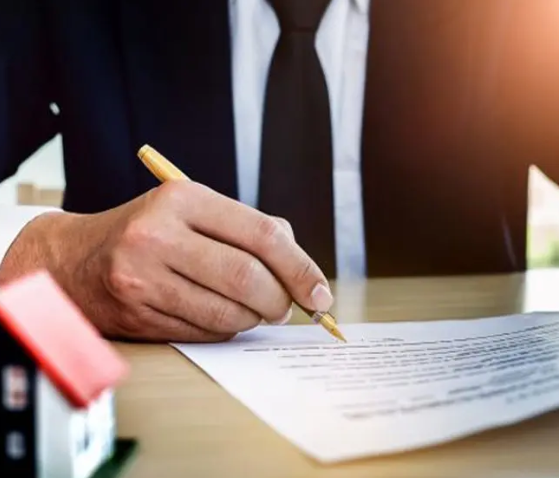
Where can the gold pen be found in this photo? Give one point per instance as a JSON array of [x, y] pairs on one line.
[[164, 170]]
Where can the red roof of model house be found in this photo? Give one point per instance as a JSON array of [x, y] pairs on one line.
[[65, 345]]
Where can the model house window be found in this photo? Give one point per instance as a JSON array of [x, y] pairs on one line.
[[83, 433], [16, 387], [86, 437], [15, 445]]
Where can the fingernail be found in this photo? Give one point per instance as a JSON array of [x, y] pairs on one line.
[[286, 318], [321, 298]]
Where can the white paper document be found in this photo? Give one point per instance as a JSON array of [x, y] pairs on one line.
[[394, 386]]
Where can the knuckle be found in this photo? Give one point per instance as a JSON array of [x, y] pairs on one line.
[[283, 222], [139, 234], [186, 197], [269, 232], [123, 284], [286, 225], [136, 234], [176, 196], [176, 191]]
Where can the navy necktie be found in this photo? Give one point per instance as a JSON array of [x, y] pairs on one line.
[[296, 156]]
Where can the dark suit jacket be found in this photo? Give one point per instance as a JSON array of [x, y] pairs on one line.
[[462, 97]]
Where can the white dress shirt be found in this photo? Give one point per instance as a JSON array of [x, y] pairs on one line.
[[12, 220], [342, 48], [341, 44]]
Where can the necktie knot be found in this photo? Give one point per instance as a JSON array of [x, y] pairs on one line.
[[299, 15]]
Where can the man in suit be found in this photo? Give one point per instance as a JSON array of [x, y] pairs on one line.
[[394, 137]]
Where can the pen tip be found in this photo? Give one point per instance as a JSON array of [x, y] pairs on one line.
[[339, 335], [330, 323]]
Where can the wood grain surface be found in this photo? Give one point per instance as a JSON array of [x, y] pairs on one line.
[[188, 426]]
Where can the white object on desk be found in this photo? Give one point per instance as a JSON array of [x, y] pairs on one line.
[[394, 386]]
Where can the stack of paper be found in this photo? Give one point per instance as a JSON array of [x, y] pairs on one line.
[[394, 386]]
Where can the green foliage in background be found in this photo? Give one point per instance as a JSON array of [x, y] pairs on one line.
[[546, 255]]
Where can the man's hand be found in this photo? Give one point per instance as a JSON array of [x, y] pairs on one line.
[[179, 263]]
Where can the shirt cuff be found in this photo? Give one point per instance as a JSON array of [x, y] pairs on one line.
[[13, 219]]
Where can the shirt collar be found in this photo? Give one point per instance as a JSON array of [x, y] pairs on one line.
[[362, 5]]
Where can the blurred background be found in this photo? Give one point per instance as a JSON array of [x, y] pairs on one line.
[[40, 180], [528, 104]]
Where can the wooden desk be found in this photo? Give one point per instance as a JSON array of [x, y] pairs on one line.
[[189, 427]]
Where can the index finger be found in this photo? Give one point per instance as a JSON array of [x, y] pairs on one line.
[[263, 236]]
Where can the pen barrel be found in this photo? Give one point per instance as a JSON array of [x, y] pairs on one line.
[[160, 166]]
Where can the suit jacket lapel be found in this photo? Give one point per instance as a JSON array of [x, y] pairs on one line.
[[176, 57]]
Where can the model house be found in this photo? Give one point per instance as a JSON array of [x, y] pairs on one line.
[[57, 383]]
